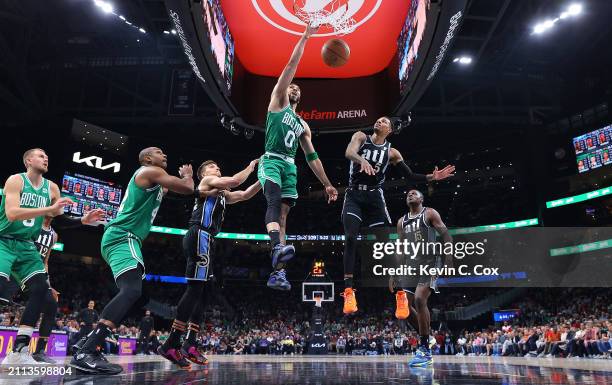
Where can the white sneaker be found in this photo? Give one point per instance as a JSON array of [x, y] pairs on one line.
[[19, 358]]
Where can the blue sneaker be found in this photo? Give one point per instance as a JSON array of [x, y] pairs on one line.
[[278, 280], [421, 358], [281, 253]]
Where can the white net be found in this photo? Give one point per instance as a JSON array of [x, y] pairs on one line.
[[333, 14]]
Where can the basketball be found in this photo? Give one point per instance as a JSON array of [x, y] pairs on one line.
[[335, 52]]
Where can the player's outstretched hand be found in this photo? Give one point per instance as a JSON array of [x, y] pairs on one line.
[[446, 172], [186, 171], [310, 30], [58, 207], [253, 164], [332, 193], [367, 167], [93, 216]]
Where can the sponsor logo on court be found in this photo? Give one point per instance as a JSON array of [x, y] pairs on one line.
[[280, 13], [95, 162], [314, 114]]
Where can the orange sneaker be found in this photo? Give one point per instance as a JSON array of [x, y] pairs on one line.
[[402, 310], [350, 302]]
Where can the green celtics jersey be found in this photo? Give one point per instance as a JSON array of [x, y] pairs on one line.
[[138, 208], [30, 197], [283, 130]]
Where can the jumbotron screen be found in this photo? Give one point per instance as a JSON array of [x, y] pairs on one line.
[[221, 41], [593, 149], [89, 193], [410, 39]]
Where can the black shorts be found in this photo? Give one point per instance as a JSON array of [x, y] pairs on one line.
[[408, 282], [197, 249], [366, 205]]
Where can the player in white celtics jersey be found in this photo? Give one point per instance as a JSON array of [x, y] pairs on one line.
[[120, 248], [28, 198], [277, 173]]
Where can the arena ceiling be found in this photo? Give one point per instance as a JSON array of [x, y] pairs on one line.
[[72, 60]]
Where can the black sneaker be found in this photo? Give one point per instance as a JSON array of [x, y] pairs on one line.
[[78, 346], [94, 363], [43, 358]]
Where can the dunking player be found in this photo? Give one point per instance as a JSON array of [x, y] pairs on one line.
[[420, 225], [28, 198], [364, 203], [277, 172], [120, 248], [205, 223]]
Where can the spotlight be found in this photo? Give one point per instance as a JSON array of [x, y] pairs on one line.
[[248, 133], [234, 129], [173, 31], [142, 30], [167, 32], [465, 60], [574, 9], [104, 6]]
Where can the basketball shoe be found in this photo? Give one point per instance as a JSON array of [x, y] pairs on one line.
[[281, 254], [350, 302], [278, 280], [174, 355], [402, 308], [422, 357]]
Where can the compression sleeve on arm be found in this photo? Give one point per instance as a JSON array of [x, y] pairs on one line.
[[407, 172]]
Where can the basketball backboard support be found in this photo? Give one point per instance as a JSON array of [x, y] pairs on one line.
[[310, 290]]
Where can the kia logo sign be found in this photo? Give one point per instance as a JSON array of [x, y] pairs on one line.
[[95, 162]]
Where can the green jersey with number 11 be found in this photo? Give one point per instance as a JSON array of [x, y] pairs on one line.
[[138, 208], [283, 130]]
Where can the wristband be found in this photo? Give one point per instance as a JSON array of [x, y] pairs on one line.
[[312, 156]]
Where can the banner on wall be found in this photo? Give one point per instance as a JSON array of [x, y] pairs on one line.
[[56, 347], [127, 346]]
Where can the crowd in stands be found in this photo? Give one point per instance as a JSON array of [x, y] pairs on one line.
[[242, 320]]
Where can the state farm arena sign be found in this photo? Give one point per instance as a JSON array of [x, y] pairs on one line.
[[331, 115]]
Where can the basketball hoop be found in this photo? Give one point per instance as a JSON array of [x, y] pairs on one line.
[[333, 15], [318, 300]]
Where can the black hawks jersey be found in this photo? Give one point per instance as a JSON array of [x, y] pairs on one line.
[[415, 229], [378, 157], [208, 213], [44, 242]]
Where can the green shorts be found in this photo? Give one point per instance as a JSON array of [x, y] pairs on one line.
[[281, 172], [121, 250], [19, 259]]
